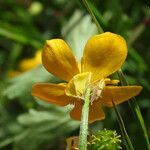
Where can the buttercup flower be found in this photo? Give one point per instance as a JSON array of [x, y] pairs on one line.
[[103, 55], [26, 64], [30, 63]]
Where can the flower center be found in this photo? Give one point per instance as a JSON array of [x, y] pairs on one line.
[[78, 84], [96, 90]]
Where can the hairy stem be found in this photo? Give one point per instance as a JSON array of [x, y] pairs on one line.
[[84, 122]]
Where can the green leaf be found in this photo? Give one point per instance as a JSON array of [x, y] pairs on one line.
[[76, 34], [34, 116], [18, 34], [20, 86], [44, 126]]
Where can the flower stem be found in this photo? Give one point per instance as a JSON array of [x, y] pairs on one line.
[[84, 122], [100, 30], [134, 106], [125, 136]]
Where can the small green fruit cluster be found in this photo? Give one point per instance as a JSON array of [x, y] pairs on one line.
[[104, 140]]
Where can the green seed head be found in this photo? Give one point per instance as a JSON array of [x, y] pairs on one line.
[[104, 140]]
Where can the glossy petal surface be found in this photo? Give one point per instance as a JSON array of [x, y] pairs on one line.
[[118, 94], [77, 85], [53, 93], [95, 111], [58, 59], [104, 54]]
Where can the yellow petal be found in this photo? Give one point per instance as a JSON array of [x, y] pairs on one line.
[[77, 85], [58, 59], [95, 111], [38, 56], [76, 111], [111, 82], [79, 66], [27, 64], [53, 93], [118, 94], [104, 54]]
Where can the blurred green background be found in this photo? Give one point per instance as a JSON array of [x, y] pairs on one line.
[[27, 123]]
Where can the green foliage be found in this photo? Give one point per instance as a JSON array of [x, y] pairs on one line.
[[75, 32], [21, 85], [42, 127]]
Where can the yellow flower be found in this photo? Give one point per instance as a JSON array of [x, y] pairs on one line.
[[30, 63], [103, 55], [26, 64]]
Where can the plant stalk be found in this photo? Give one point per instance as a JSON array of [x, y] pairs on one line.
[[125, 136], [100, 30], [84, 122], [135, 109]]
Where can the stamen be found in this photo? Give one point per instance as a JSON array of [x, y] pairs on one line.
[[111, 82], [97, 90]]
